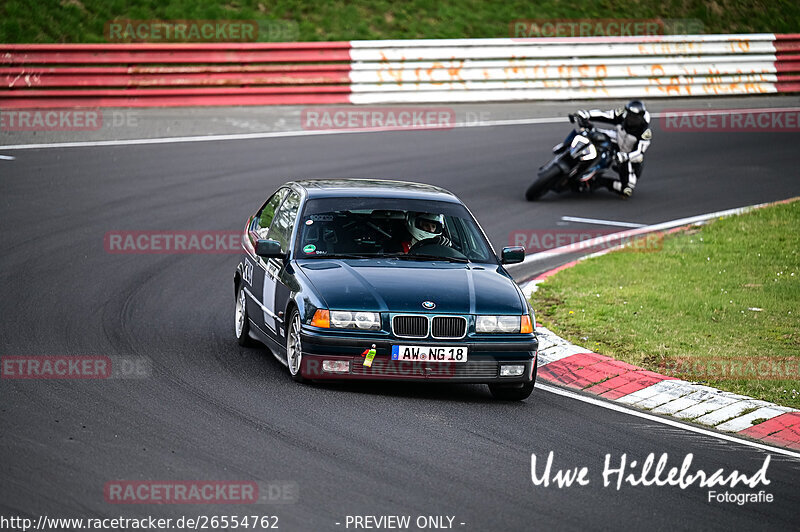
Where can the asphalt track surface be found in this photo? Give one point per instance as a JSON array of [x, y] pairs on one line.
[[213, 410]]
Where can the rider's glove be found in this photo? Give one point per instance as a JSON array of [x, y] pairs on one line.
[[583, 113], [622, 157]]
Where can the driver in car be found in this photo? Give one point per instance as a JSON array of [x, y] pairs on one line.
[[424, 227]]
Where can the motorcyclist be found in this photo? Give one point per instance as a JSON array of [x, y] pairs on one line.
[[424, 226], [633, 136]]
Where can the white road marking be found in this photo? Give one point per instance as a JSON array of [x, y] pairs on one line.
[[709, 405], [664, 421], [731, 411], [279, 134], [271, 134], [746, 421], [170, 140], [674, 389], [645, 393], [701, 393], [600, 222], [6, 158]]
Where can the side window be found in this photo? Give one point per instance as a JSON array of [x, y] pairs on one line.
[[283, 225], [268, 213]]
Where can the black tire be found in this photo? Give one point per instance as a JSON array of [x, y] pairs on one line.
[[294, 348], [242, 320], [511, 392], [514, 392], [543, 183]]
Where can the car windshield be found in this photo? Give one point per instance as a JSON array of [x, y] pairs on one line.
[[420, 230]]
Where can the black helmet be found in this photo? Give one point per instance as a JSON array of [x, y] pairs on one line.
[[635, 116]]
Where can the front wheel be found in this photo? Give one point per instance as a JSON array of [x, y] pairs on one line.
[[542, 183], [294, 348]]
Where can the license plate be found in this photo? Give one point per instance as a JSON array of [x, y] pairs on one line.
[[424, 353]]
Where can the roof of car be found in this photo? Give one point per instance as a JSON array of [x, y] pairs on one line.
[[376, 188]]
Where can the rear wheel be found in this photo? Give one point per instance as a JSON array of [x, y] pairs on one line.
[[294, 348], [543, 183], [242, 322]]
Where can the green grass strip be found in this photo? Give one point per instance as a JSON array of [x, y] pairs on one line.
[[73, 21], [718, 305]]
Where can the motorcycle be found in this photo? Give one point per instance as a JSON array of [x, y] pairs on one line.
[[579, 163]]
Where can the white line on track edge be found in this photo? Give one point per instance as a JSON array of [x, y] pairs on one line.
[[274, 134], [600, 222], [604, 403], [302, 133]]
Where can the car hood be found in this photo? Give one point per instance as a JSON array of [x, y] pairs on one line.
[[402, 286]]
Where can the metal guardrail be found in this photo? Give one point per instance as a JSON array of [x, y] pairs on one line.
[[409, 71]]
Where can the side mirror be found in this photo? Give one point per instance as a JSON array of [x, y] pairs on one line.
[[269, 249], [512, 255]]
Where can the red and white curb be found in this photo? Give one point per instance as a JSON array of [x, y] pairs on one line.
[[572, 366], [566, 364]]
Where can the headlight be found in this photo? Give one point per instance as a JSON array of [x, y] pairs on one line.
[[498, 324], [344, 319]]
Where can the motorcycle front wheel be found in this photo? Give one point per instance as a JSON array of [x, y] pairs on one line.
[[543, 183]]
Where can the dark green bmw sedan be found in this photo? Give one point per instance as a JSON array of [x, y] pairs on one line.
[[372, 279]]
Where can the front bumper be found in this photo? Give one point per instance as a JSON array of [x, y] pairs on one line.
[[485, 356]]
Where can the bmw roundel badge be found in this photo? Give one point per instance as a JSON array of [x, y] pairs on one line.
[[428, 305]]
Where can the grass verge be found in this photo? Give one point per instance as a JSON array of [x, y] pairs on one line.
[[49, 21], [718, 305]]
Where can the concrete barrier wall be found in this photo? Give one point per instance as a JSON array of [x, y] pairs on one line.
[[406, 71]]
